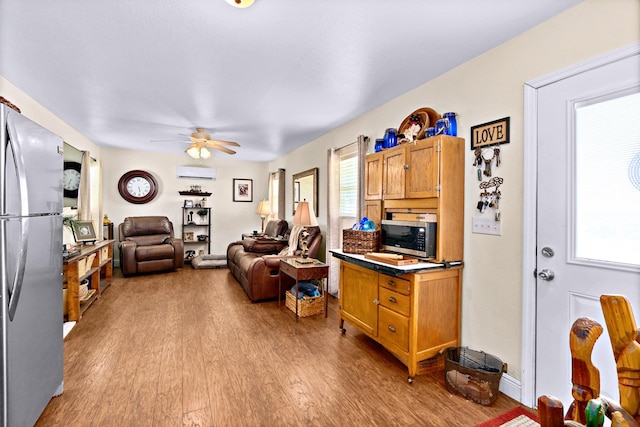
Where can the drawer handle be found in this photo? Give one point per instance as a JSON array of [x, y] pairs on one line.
[[391, 328], [393, 299], [376, 301], [391, 283]]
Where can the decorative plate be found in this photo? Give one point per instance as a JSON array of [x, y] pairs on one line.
[[427, 117]]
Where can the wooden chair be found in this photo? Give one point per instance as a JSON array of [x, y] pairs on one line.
[[588, 407]]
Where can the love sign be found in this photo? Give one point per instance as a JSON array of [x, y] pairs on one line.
[[491, 133]]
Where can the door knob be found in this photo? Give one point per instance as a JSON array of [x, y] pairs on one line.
[[547, 275]]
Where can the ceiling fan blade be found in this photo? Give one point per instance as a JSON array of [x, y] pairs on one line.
[[223, 149], [217, 142]]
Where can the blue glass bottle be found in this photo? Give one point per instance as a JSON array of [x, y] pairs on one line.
[[379, 144], [390, 138], [452, 126], [441, 127], [431, 131]]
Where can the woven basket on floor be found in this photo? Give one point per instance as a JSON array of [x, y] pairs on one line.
[[308, 306]]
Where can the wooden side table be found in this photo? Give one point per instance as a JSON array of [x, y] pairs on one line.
[[305, 270]]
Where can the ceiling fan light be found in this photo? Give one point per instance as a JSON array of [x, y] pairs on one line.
[[204, 153], [240, 3], [194, 152]]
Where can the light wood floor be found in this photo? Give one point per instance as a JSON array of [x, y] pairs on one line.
[[187, 348]]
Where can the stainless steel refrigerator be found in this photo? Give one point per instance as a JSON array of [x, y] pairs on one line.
[[31, 267]]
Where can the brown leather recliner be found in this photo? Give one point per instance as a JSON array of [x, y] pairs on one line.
[[147, 245], [257, 265]]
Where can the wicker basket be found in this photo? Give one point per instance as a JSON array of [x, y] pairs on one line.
[[360, 242], [309, 306], [473, 374]]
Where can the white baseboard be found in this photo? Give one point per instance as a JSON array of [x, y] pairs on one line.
[[511, 387]]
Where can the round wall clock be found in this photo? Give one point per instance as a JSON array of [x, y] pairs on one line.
[[138, 187], [71, 179]]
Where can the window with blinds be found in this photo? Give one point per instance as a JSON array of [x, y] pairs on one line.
[[348, 181]]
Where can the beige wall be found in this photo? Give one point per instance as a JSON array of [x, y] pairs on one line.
[[486, 88], [229, 219]]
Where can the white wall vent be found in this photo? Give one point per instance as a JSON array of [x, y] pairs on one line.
[[195, 172]]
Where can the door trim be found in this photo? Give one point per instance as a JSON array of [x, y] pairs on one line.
[[529, 217]]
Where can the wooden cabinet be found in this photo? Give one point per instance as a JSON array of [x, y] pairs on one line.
[[415, 315], [373, 211], [196, 231], [95, 264], [373, 176], [415, 170], [423, 177]]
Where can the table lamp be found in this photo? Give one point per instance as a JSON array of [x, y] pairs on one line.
[[264, 211], [304, 217]]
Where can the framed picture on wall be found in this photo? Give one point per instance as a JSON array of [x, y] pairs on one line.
[[242, 190]]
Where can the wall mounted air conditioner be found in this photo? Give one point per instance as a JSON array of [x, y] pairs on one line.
[[196, 172]]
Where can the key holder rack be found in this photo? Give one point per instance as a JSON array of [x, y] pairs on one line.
[[491, 199]]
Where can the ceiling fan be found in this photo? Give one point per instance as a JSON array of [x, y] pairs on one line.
[[201, 141]]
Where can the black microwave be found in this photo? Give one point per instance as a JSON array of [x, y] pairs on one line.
[[408, 237]]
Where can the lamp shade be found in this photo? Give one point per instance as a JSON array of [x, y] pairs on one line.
[[304, 215], [198, 152], [263, 208]]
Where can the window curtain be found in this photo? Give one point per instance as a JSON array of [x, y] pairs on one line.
[[276, 194], [90, 192], [84, 190], [335, 222]]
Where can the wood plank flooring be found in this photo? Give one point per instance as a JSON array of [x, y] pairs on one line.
[[188, 348]]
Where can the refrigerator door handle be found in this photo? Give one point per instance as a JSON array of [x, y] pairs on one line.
[[21, 176], [21, 173], [16, 286]]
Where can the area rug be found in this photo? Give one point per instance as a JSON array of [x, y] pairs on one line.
[[516, 417]]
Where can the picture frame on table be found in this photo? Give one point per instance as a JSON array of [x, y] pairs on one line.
[[188, 236], [188, 203], [242, 190], [84, 231]]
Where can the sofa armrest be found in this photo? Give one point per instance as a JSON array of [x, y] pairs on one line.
[[128, 256], [178, 247]]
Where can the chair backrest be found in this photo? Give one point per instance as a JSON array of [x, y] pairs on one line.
[[276, 227], [133, 226]]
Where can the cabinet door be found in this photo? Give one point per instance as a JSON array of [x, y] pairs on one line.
[[423, 174], [373, 211], [393, 174], [358, 296], [373, 177]]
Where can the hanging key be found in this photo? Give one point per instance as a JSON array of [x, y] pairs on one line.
[[496, 154], [487, 157]]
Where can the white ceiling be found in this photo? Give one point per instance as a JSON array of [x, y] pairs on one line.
[[271, 77]]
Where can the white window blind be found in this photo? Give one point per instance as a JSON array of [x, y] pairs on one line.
[[348, 183]]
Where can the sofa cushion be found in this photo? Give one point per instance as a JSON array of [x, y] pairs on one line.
[[155, 252], [265, 246], [155, 239]]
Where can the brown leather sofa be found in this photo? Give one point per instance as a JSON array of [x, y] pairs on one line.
[[255, 263], [147, 245]]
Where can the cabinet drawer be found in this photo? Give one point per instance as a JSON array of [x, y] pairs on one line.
[[395, 301], [395, 283], [393, 328]]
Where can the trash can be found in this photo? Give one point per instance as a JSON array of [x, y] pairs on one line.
[[473, 374]]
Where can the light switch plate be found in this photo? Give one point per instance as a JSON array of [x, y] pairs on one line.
[[482, 225]]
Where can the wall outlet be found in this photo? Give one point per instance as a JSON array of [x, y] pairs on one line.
[[482, 225]]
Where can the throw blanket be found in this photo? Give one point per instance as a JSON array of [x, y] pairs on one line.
[[294, 238]]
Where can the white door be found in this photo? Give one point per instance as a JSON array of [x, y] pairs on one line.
[[588, 214]]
